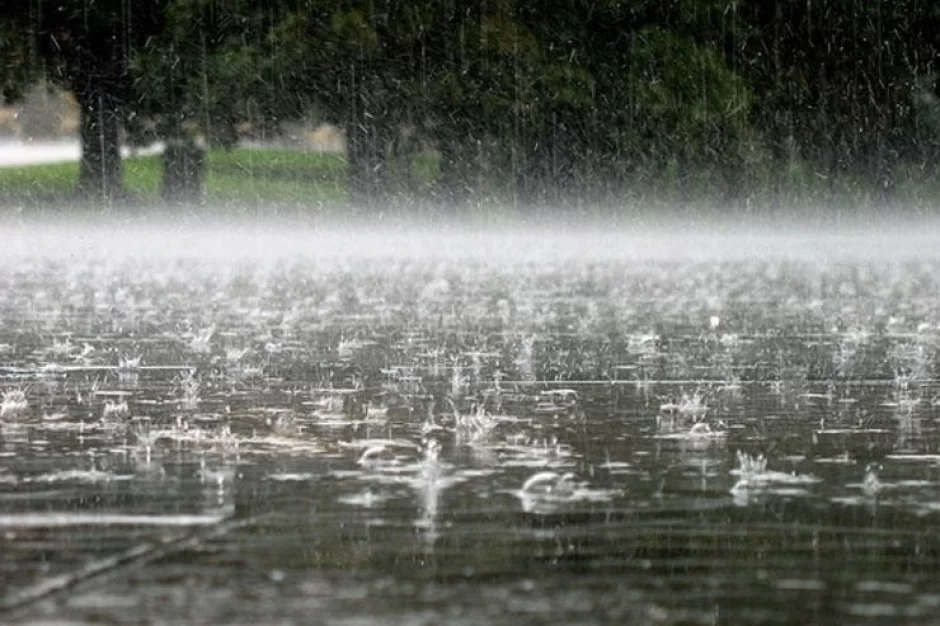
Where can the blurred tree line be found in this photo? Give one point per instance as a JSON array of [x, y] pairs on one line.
[[540, 102]]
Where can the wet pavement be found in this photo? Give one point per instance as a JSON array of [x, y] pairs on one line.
[[371, 433]]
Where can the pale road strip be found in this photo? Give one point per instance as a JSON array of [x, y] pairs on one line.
[[18, 153], [70, 519]]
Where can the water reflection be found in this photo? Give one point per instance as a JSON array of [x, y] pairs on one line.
[[428, 485]]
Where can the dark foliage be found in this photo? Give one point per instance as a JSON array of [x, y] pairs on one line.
[[537, 102]]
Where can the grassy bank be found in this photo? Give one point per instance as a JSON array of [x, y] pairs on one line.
[[245, 182], [241, 178]]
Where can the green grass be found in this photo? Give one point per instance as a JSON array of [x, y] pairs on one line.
[[256, 177], [37, 183], [247, 178], [248, 181]]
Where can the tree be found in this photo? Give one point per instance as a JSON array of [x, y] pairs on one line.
[[364, 67], [86, 46], [196, 82], [531, 101], [839, 84], [19, 66]]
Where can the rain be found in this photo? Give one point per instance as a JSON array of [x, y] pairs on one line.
[[469, 312]]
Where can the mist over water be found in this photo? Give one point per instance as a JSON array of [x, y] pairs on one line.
[[535, 239], [468, 423]]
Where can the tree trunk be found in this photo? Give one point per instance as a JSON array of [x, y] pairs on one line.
[[459, 171], [100, 175], [366, 164], [536, 187], [183, 172], [883, 162], [528, 177], [732, 171]]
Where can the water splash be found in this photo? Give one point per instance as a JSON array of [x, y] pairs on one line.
[[755, 478], [473, 426], [13, 403], [548, 491], [871, 483], [114, 409]]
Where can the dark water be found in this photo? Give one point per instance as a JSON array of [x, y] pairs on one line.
[[342, 431]]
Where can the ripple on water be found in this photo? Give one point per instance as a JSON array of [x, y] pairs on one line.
[[300, 390]]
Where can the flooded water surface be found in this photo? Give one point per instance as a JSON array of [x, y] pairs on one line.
[[472, 429]]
